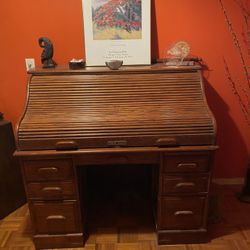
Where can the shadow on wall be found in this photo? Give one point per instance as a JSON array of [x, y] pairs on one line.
[[154, 34], [232, 156]]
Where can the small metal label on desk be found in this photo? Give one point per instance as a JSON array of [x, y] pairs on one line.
[[119, 143]]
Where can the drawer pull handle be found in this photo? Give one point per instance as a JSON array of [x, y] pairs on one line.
[[187, 165], [67, 145], [166, 142], [51, 189], [185, 184], [181, 213], [56, 217], [48, 170]]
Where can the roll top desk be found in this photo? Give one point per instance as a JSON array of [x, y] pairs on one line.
[[148, 115]]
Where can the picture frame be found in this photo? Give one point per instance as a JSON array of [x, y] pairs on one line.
[[117, 30]]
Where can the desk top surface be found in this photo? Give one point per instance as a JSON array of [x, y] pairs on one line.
[[154, 68]]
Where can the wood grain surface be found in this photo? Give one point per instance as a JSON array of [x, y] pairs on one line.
[[229, 232], [137, 106], [152, 115]]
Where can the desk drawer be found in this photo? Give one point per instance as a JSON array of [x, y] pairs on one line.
[[56, 217], [51, 190], [186, 162], [119, 158], [46, 170], [185, 184], [181, 212]]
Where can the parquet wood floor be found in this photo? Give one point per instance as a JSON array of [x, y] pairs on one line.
[[229, 229]]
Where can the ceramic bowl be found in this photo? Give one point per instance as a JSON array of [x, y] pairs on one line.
[[114, 64]]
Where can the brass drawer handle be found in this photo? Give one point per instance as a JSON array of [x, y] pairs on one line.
[[67, 145], [52, 189], [184, 212], [166, 142], [56, 217], [48, 170], [187, 165], [185, 184]]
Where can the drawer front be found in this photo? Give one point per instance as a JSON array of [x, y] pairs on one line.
[[181, 212], [119, 158], [45, 170], [51, 190], [185, 184], [55, 217], [186, 163]]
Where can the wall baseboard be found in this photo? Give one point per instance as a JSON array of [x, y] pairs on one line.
[[228, 181]]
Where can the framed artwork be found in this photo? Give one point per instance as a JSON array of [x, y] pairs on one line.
[[117, 30]]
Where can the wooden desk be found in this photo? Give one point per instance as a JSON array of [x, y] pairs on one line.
[[151, 115]]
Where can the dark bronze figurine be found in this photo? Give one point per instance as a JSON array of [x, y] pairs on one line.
[[47, 54]]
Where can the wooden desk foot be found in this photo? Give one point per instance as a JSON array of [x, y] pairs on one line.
[[58, 241], [166, 237]]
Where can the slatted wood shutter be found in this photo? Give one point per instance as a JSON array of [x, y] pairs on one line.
[[97, 107]]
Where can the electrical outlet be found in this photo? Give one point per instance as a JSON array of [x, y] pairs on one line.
[[30, 63]]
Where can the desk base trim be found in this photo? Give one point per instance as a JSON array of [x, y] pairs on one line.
[[182, 236], [58, 241]]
